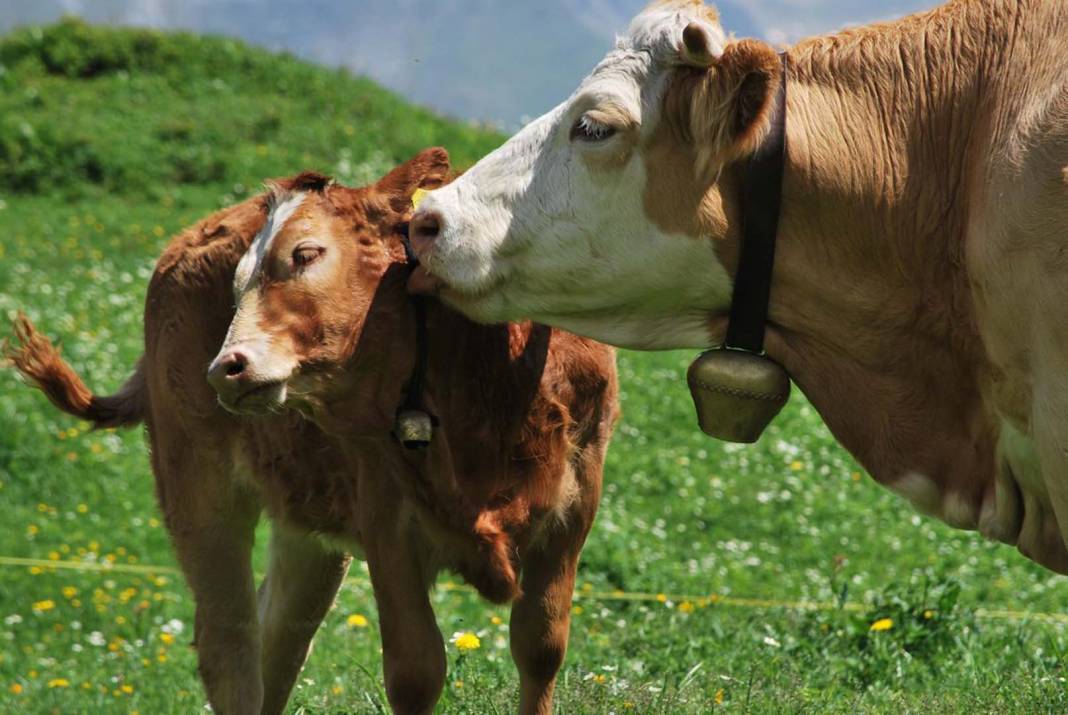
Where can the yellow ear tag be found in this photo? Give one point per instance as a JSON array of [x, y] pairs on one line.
[[418, 196]]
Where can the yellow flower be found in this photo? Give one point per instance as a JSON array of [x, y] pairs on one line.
[[719, 697], [662, 598], [577, 610], [928, 615], [797, 466], [69, 592], [883, 624], [46, 605], [467, 641], [127, 688], [458, 684], [337, 690], [357, 621], [53, 556], [496, 620], [166, 638], [32, 529], [36, 570], [59, 683], [686, 607], [600, 678], [15, 689]]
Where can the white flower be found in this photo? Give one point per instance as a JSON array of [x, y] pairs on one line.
[[13, 620], [173, 626], [97, 638], [768, 640]]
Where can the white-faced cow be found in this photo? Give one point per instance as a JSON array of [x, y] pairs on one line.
[[504, 495], [921, 280]]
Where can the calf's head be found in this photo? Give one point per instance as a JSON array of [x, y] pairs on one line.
[[304, 288], [601, 217]]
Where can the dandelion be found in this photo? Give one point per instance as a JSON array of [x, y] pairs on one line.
[[883, 624], [496, 620], [127, 688], [577, 610], [600, 678], [928, 615], [32, 529], [661, 597], [69, 592], [797, 466], [718, 698], [15, 689], [36, 570], [59, 683], [466, 641], [337, 690], [53, 556], [46, 605], [167, 638], [83, 509], [686, 607], [357, 621]]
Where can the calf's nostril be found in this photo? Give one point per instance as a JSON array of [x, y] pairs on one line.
[[235, 364]]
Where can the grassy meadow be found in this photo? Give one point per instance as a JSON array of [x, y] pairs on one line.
[[110, 141]]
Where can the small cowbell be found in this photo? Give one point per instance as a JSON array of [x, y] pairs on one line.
[[737, 394], [414, 429]]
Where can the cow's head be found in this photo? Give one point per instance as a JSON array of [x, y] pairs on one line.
[[308, 281], [601, 216]]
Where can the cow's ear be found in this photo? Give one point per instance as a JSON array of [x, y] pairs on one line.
[[427, 170], [725, 108]]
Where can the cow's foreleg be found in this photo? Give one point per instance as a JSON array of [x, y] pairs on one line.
[[302, 580], [413, 652], [1049, 422]]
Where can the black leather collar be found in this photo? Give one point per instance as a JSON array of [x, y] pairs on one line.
[[761, 200]]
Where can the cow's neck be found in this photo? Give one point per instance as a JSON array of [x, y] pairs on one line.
[[871, 308]]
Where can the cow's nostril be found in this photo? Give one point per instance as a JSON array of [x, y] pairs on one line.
[[425, 229]]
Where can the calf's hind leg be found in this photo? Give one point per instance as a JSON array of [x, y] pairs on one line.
[[212, 525], [302, 580]]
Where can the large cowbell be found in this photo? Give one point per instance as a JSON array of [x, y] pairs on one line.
[[737, 394]]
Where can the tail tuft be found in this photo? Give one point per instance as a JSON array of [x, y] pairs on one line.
[[40, 362]]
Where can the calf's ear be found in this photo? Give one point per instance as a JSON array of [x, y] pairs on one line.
[[723, 103], [428, 169]]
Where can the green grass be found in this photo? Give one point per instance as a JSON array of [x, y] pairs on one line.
[[790, 519]]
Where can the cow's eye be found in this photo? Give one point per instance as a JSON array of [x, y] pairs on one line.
[[587, 129], [306, 254]]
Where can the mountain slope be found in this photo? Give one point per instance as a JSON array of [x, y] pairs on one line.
[[86, 108], [481, 59]]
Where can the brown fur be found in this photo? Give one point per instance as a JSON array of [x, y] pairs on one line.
[[504, 496], [921, 251]]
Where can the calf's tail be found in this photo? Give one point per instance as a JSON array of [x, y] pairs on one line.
[[39, 361]]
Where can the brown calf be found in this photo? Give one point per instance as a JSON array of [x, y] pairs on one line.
[[504, 495]]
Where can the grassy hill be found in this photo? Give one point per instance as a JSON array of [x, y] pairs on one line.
[[691, 585]]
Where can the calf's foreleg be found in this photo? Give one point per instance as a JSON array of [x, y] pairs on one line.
[[303, 577]]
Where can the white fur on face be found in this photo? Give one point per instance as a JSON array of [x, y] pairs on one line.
[[532, 231], [245, 332], [251, 265]]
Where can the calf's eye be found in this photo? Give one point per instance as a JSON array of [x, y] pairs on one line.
[[306, 254]]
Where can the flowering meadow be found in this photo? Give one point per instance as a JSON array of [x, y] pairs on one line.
[[765, 579]]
